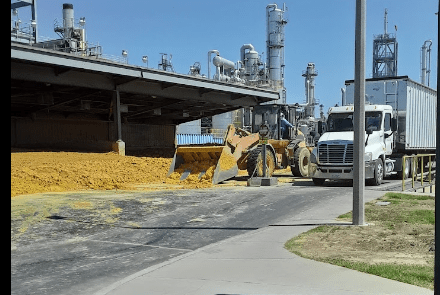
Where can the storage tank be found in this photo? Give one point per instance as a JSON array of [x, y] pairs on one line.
[[219, 61], [192, 127], [220, 123]]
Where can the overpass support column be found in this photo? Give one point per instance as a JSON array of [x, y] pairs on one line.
[[119, 145]]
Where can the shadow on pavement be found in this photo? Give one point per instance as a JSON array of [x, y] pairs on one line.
[[314, 224], [57, 217]]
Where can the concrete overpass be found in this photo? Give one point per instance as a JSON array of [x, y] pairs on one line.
[[61, 100]]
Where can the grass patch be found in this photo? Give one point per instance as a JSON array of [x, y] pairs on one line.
[[411, 274], [396, 244]]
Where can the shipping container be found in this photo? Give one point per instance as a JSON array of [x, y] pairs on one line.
[[414, 105]]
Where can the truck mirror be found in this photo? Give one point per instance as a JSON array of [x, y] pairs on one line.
[[320, 127], [370, 129], [394, 124]]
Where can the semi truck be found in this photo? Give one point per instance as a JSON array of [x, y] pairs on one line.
[[400, 120]]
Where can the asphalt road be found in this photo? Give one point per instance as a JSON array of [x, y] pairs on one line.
[[75, 254]]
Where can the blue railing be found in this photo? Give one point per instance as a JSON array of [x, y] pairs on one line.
[[184, 139]]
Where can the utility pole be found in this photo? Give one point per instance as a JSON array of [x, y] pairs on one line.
[[359, 115], [437, 193]]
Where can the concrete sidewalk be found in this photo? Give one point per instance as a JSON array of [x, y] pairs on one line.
[[257, 263]]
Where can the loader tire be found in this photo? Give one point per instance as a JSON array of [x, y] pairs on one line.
[[301, 160], [254, 164]]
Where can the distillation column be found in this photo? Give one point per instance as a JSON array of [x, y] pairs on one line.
[[310, 75], [275, 48]]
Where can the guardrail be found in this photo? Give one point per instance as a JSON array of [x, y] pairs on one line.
[[418, 172], [187, 139]]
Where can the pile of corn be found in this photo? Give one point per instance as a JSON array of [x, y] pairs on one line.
[[227, 161], [37, 172], [195, 178]]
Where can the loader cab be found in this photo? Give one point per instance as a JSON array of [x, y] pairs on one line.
[[271, 115]]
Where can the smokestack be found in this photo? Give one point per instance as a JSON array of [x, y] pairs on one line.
[[425, 62], [343, 96], [68, 19]]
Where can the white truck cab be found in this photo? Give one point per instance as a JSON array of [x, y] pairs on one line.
[[333, 155]]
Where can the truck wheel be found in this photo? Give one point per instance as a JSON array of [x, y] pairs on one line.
[[254, 164], [378, 173], [301, 160], [318, 181]]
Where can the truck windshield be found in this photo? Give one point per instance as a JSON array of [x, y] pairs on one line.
[[338, 122]]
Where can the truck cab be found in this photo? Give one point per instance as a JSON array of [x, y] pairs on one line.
[[332, 158]]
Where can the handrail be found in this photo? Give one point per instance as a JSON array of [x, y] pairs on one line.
[[414, 169]]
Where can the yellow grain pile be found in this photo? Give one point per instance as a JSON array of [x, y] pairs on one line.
[[193, 179], [227, 161], [36, 172]]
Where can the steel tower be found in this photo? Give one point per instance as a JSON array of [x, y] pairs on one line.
[[385, 53]]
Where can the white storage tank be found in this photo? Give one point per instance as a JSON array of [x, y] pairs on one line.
[[220, 123], [192, 127]]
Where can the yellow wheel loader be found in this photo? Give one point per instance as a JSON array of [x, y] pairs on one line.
[[243, 150]]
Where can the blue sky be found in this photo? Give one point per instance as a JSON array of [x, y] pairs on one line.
[[318, 31]]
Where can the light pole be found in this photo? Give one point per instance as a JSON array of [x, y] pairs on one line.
[[359, 115]]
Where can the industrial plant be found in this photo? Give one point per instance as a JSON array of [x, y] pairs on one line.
[[250, 97], [250, 70]]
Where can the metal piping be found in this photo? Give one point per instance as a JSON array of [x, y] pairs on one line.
[[343, 96], [243, 48], [426, 66], [209, 61]]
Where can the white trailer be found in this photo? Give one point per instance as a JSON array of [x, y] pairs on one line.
[[400, 119]]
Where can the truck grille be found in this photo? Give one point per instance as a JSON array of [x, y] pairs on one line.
[[335, 153]]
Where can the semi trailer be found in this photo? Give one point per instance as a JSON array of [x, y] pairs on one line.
[[400, 120]]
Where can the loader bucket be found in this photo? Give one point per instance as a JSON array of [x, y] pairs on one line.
[[214, 163]]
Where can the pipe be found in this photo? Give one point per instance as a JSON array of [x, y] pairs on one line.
[[243, 48], [426, 66], [209, 61], [343, 96], [239, 62]]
